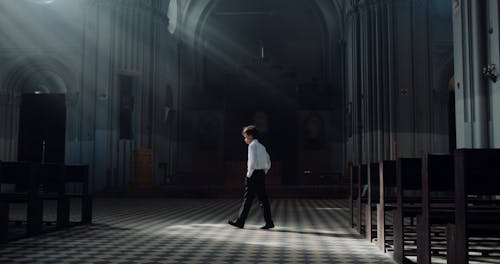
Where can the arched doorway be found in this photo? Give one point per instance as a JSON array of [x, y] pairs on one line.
[[36, 92], [260, 61]]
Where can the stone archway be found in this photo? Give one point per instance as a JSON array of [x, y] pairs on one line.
[[30, 75], [195, 17], [196, 13]]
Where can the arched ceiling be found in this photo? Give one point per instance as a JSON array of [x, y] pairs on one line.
[[195, 12], [195, 15], [291, 34]]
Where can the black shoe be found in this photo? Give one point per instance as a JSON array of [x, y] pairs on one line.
[[235, 223], [267, 226]]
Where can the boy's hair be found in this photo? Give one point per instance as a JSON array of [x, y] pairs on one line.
[[251, 131]]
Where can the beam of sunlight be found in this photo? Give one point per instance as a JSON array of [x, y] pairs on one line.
[[265, 243], [219, 55], [331, 208], [211, 35], [217, 227], [296, 238], [73, 30], [42, 1]]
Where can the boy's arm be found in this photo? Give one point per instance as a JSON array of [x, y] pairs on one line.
[[268, 162], [252, 156]]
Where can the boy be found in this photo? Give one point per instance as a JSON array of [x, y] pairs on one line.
[[258, 165]]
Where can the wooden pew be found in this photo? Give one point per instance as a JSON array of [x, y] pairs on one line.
[[372, 198], [437, 177], [362, 199], [387, 198], [23, 177], [477, 181], [353, 186], [408, 179], [80, 174], [53, 179], [38, 182]]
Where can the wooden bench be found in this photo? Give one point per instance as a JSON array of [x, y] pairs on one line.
[[437, 201], [80, 174], [477, 214], [38, 182], [51, 180], [26, 191], [353, 187], [372, 199], [408, 201], [387, 185], [362, 199]]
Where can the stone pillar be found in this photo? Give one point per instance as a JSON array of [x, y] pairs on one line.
[[493, 47], [475, 28], [479, 88], [390, 79]]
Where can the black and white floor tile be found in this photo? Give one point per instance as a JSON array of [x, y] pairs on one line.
[[196, 231]]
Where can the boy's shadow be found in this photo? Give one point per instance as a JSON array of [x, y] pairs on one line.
[[310, 232]]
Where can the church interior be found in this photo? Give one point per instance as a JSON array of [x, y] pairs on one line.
[[121, 130]]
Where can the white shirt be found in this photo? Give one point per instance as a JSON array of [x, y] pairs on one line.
[[258, 158]]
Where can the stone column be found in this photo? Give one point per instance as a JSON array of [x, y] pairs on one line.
[[479, 88]]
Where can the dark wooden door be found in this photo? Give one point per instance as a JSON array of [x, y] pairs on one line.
[[42, 128]]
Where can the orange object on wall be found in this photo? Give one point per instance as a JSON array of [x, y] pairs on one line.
[[143, 167]]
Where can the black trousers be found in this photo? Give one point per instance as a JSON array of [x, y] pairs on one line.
[[255, 186]]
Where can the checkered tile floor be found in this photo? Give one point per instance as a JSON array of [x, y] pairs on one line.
[[196, 231]]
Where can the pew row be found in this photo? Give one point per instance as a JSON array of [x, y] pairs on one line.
[[477, 207], [35, 183]]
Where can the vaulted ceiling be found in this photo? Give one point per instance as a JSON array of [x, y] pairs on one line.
[[194, 13]]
